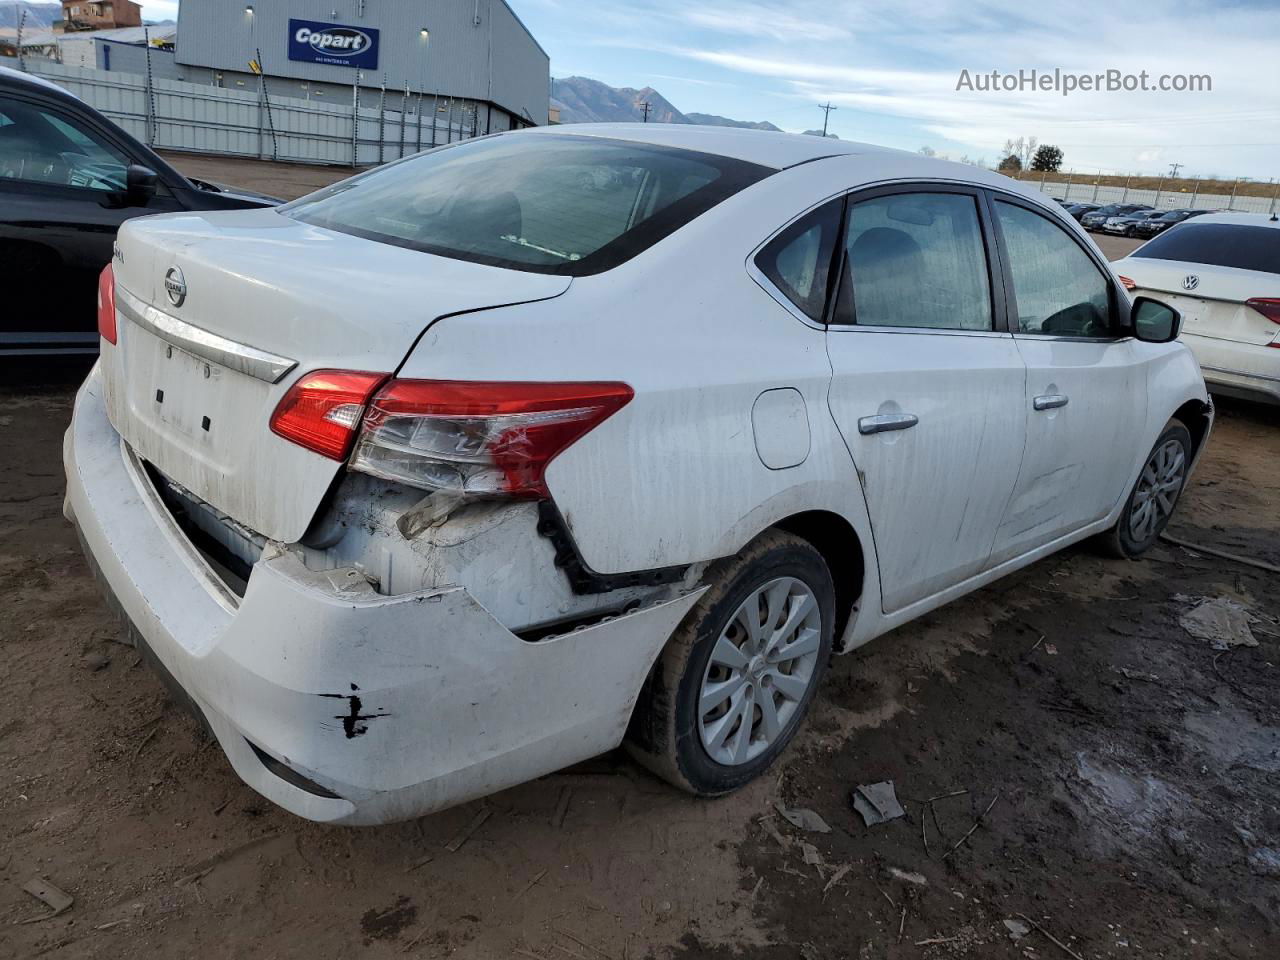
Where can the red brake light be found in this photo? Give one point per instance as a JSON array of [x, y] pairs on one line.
[[322, 411], [1269, 307], [479, 438], [1126, 282], [107, 304]]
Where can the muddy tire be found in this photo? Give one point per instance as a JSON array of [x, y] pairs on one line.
[[1154, 495], [734, 682]]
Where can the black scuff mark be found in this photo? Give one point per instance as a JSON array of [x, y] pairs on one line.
[[353, 721]]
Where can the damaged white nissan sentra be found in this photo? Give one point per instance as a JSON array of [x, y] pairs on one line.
[[483, 462]]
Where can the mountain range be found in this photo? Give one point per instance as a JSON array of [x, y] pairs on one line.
[[583, 100]]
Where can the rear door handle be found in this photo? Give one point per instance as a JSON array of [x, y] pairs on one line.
[[1050, 401], [886, 422]]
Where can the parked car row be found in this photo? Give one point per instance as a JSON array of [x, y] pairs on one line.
[[1128, 219]]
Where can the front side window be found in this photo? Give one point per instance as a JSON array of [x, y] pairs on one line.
[[1058, 288], [915, 260], [40, 146], [798, 260], [546, 203]]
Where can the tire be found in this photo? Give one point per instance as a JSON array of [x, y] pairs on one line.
[[1145, 515], [668, 733]]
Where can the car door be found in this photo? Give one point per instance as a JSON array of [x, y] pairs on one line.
[[927, 385], [61, 201], [1086, 398]]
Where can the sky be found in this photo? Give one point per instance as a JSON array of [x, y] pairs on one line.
[[891, 68]]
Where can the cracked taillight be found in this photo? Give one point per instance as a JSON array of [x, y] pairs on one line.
[[479, 438]]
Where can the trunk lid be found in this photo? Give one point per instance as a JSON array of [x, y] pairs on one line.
[[191, 385], [1215, 307]]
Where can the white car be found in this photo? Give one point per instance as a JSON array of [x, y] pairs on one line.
[[465, 469], [1222, 273]]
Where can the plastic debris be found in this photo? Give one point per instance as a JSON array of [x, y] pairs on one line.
[[59, 901], [877, 803], [1017, 929], [802, 818], [1222, 621]]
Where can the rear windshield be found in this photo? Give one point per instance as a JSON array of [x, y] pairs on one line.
[[545, 203], [1219, 245]]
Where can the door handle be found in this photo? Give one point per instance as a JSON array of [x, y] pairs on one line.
[[1050, 401], [886, 422]]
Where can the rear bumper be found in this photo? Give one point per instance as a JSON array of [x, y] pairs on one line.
[[383, 708], [1248, 371]]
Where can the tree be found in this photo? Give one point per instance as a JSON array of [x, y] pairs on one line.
[[1010, 164], [1048, 159], [927, 151]]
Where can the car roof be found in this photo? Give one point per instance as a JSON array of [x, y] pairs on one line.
[[1241, 219], [8, 74], [765, 147]]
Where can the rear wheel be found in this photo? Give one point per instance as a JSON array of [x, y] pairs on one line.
[[1154, 496], [733, 683]]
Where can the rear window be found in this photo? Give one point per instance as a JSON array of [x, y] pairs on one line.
[[545, 203], [1218, 245]]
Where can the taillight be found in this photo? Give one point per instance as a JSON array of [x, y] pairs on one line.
[[107, 304], [480, 438], [1269, 307], [322, 410], [1126, 282]]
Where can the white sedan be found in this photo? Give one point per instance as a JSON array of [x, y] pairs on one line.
[[1222, 272], [475, 465]]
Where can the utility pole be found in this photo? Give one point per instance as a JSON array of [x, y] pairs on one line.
[[644, 106], [826, 109], [1173, 170]]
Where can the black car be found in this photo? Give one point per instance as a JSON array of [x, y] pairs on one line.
[[1078, 210], [1094, 219], [68, 178], [1149, 228]]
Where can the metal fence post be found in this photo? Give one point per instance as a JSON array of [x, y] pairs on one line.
[[1232, 202], [417, 121], [355, 120], [404, 116], [1195, 192], [264, 103], [1125, 196], [1067, 193], [382, 120], [1274, 194], [22, 22], [448, 124], [150, 92], [435, 115]]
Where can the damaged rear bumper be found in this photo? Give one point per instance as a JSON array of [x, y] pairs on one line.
[[344, 709]]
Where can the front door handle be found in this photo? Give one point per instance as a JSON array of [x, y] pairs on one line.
[[1050, 401], [886, 422]]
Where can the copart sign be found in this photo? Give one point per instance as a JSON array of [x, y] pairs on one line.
[[333, 43]]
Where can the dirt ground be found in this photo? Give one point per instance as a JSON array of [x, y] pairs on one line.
[[1128, 773]]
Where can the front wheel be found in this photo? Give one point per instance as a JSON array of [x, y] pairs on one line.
[[1155, 494], [730, 688]]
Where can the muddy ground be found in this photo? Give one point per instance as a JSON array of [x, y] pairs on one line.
[[1128, 772]]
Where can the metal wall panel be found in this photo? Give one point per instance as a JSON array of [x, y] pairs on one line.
[[493, 59]]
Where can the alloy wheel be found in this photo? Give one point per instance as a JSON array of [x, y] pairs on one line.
[[1157, 490], [760, 670]]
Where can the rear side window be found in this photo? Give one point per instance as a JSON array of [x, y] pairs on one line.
[[545, 203], [1219, 245], [1058, 288], [915, 260], [798, 260]]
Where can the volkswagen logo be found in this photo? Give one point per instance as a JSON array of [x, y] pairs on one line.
[[175, 285], [1190, 282]]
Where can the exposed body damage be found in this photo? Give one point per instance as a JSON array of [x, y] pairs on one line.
[[402, 736]]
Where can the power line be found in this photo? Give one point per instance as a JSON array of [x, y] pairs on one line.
[[644, 105], [1173, 170]]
